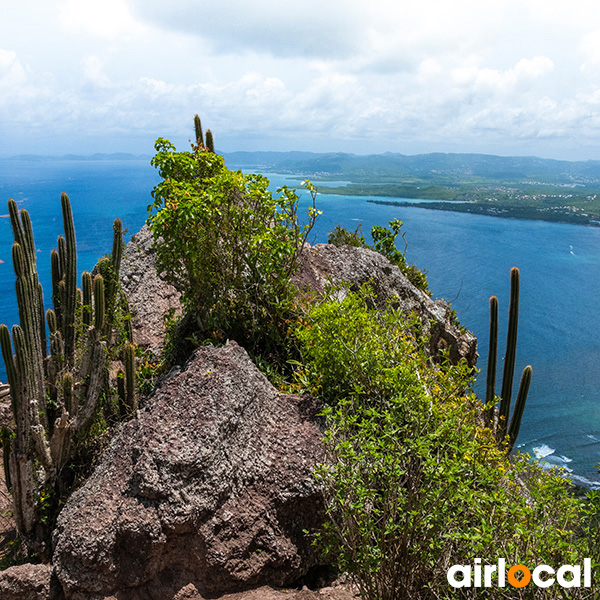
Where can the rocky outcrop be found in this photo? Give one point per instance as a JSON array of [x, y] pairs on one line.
[[210, 485], [325, 263], [150, 297], [29, 582]]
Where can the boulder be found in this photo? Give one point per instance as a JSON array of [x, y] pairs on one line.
[[150, 296], [325, 263], [210, 486], [29, 582]]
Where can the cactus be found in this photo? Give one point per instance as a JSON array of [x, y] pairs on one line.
[[490, 394], [112, 277], [130, 399], [210, 144], [54, 396], [67, 392], [511, 350], [515, 423], [198, 131], [86, 290], [509, 368], [70, 277], [99, 313]]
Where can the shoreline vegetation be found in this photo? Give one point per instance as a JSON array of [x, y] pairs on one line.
[[524, 201]]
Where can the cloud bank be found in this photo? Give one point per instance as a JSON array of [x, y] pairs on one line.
[[512, 77]]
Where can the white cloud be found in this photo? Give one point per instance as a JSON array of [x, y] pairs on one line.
[[307, 28], [12, 72], [99, 18], [394, 76]]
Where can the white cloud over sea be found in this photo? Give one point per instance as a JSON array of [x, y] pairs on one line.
[[505, 77]]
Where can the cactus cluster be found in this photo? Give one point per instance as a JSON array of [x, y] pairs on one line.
[[202, 142], [502, 428], [55, 395]]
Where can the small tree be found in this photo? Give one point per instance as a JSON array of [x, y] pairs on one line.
[[227, 244]]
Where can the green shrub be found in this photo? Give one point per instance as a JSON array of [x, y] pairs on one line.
[[228, 245], [413, 482], [340, 236]]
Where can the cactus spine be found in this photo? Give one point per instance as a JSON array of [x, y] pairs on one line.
[[502, 427]]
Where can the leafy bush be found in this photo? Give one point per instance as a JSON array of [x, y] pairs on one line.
[[413, 482], [228, 245], [340, 236]]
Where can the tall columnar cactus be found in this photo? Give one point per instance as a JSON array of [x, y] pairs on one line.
[[70, 278], [198, 131], [210, 144], [502, 427], [86, 298], [112, 281], [515, 424], [490, 394], [54, 396]]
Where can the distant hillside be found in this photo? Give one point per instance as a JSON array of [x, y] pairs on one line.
[[437, 167]]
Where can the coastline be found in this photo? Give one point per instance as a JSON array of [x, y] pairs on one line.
[[503, 211]]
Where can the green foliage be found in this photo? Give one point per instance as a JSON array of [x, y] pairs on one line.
[[228, 245], [413, 482], [340, 236]]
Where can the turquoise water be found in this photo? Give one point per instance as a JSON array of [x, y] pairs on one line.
[[468, 258]]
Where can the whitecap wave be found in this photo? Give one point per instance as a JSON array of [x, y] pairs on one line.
[[543, 451]]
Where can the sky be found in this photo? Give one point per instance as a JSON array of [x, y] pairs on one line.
[[508, 77]]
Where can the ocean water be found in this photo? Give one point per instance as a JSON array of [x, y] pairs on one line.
[[468, 259]]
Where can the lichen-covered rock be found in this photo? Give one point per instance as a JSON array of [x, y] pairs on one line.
[[29, 582], [325, 263], [210, 485], [150, 297]]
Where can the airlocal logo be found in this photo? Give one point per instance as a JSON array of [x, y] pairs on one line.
[[543, 576]]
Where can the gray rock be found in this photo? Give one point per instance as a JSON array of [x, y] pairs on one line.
[[325, 263], [150, 297], [210, 485]]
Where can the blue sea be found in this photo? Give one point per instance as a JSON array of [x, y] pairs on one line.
[[467, 257]]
